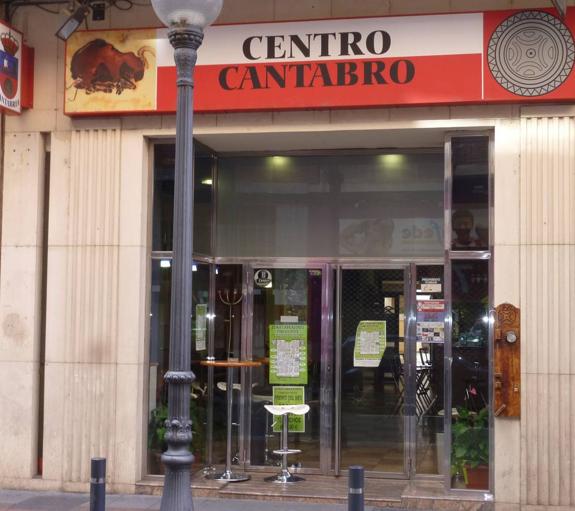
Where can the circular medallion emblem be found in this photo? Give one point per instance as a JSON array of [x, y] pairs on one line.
[[8, 88], [531, 53], [263, 278]]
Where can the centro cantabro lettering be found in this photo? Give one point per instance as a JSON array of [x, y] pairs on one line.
[[321, 46]]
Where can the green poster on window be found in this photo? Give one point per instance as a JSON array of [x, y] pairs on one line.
[[288, 354], [286, 395], [370, 341]]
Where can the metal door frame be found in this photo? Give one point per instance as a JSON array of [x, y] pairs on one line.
[[412, 417]]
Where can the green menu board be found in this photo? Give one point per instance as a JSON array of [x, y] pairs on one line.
[[286, 395], [288, 354], [370, 341]]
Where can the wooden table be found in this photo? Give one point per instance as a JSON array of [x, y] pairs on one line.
[[227, 475]]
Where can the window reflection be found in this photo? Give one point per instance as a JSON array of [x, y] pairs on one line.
[[163, 211], [159, 361], [292, 297], [470, 374], [331, 205], [470, 193], [430, 441]]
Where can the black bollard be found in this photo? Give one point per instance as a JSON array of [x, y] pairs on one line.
[[98, 485], [355, 497]]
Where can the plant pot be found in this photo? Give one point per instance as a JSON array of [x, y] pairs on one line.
[[478, 477]]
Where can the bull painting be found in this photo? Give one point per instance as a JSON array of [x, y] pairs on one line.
[[98, 66]]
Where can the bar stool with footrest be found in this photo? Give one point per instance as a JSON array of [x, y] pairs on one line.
[[285, 476]]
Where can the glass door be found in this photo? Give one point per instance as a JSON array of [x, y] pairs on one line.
[[371, 379], [288, 331]]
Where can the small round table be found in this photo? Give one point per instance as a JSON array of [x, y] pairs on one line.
[[227, 475]]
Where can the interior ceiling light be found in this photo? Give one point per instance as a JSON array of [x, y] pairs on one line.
[[72, 23]]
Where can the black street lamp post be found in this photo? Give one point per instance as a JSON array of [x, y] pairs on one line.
[[186, 20]]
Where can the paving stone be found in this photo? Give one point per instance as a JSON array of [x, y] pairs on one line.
[[14, 496], [58, 502], [135, 502], [50, 501]]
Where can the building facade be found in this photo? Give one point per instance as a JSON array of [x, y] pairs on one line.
[[323, 218]]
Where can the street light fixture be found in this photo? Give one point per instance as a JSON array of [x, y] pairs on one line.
[[186, 20], [73, 22]]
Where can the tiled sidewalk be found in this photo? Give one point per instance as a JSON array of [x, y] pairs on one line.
[[51, 501]]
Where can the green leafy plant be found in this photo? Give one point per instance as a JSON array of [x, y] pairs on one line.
[[157, 428], [470, 440]]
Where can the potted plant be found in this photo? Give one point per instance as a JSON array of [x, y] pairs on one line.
[[470, 447]]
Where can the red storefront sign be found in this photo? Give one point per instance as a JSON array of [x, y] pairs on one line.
[[496, 56]]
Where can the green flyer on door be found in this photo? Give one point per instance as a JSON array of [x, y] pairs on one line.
[[287, 395], [288, 354]]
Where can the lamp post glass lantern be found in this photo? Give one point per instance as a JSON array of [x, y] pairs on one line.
[[186, 20]]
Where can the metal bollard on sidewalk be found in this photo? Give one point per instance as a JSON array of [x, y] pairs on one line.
[[98, 484], [355, 496]]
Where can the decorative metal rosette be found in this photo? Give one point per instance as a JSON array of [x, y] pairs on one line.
[[531, 53]]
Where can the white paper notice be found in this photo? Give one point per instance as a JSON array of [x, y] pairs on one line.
[[201, 326], [431, 332], [369, 343], [288, 358]]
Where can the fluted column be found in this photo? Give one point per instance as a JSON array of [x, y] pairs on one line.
[[95, 306], [548, 310]]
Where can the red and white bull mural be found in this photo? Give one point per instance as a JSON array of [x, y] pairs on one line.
[[496, 56]]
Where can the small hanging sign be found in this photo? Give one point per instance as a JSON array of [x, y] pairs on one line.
[[263, 278]]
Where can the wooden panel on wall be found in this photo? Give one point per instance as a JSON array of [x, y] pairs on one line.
[[507, 362]]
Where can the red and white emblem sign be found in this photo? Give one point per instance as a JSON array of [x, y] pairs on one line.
[[10, 68]]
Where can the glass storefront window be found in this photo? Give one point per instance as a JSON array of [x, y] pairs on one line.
[[470, 193], [227, 325], [348, 205], [340, 206], [159, 361], [163, 210], [470, 374]]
